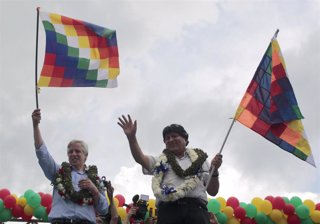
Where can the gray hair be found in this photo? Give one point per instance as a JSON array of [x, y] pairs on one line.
[[82, 143]]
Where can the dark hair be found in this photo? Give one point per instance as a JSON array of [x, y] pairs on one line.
[[176, 128]]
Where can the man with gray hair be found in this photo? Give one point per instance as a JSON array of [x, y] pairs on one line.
[[78, 192]]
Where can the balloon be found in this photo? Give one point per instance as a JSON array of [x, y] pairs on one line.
[[222, 218], [28, 210], [34, 200], [265, 207], [295, 201], [122, 213], [318, 206], [121, 199], [302, 211], [242, 204], [288, 209], [233, 202], [233, 220], [116, 202], [306, 221], [247, 220], [26, 217], [4, 193], [5, 215], [128, 207], [315, 216], [1, 205], [151, 204], [22, 201], [278, 203], [261, 218], [17, 211], [276, 215], [46, 200], [222, 202], [293, 219], [39, 212], [310, 204], [239, 213], [48, 209], [228, 211], [251, 210], [28, 193], [9, 201], [213, 206], [256, 201], [269, 198]]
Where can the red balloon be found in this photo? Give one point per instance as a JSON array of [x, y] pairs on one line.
[[128, 207], [288, 209], [26, 217], [239, 213], [318, 206], [48, 209], [121, 199], [17, 211], [4, 193], [269, 198], [46, 200], [278, 203], [9, 201], [293, 219], [247, 220], [233, 202]]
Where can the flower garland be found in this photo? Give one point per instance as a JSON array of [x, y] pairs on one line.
[[63, 183], [165, 193]]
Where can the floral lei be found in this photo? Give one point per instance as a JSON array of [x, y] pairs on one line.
[[191, 180], [63, 183]]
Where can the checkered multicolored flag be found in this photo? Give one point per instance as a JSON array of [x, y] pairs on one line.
[[269, 106], [78, 54]]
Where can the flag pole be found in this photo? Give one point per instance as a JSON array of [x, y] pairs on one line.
[[222, 146], [275, 34], [36, 60]]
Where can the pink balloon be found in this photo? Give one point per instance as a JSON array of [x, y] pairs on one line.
[[121, 199], [233, 202], [247, 220], [4, 193], [318, 206], [240, 213], [288, 209], [278, 203]]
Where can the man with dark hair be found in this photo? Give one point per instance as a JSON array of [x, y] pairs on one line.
[[180, 175]]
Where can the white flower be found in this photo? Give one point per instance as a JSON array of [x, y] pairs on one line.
[[60, 187], [188, 185], [58, 180]]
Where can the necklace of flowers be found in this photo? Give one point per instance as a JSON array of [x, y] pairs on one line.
[[191, 180], [63, 183]]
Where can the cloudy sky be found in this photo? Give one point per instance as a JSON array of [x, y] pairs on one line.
[[186, 62]]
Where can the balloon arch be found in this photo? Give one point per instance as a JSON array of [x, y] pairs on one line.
[[280, 210]]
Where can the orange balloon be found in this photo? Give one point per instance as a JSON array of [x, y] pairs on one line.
[[228, 211]]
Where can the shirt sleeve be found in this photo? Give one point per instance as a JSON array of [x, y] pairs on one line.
[[102, 206], [152, 162], [46, 162]]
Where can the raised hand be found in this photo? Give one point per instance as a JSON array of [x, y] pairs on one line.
[[129, 127]]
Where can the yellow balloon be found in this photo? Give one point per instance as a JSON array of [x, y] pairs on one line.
[[310, 204], [315, 216], [116, 202], [222, 202], [256, 201], [28, 210], [228, 211], [107, 198], [151, 203], [122, 213], [15, 196], [22, 201], [265, 207], [233, 220], [276, 215]]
